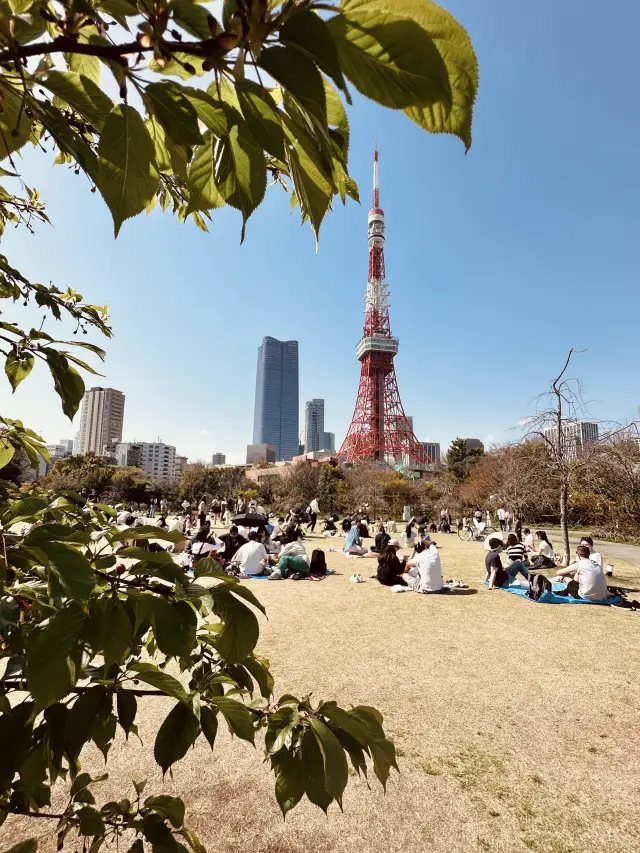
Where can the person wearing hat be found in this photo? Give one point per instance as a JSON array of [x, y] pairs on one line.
[[497, 575]]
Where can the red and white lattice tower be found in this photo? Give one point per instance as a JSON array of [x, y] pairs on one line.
[[379, 428]]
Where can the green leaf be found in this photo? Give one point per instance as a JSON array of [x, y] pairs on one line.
[[72, 568], [174, 112], [91, 706], [298, 75], [160, 557], [128, 180], [307, 32], [16, 733], [350, 723], [314, 772], [150, 674], [15, 126], [262, 116], [18, 7], [66, 138], [91, 822], [176, 734], [119, 9], [456, 49], [290, 785], [201, 184], [390, 59], [28, 846], [67, 382], [383, 752], [209, 723], [48, 668], [117, 633], [334, 760], [7, 451], [238, 717], [191, 17], [312, 187], [18, 367], [127, 706], [174, 626], [259, 669], [240, 629], [240, 172], [146, 532], [85, 66], [170, 807], [217, 116], [80, 93]]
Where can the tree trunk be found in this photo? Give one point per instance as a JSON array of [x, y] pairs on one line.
[[564, 523]]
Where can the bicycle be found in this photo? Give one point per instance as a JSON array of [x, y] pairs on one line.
[[468, 532]]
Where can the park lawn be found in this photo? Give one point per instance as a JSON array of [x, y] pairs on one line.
[[517, 724]]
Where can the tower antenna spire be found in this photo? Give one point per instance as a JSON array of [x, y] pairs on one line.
[[376, 177]]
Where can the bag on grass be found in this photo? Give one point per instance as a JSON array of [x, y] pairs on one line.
[[318, 563], [538, 584]]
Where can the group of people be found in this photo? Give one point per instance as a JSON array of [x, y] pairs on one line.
[[584, 578]]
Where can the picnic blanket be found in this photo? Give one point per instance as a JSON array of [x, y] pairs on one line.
[[520, 588], [309, 578]]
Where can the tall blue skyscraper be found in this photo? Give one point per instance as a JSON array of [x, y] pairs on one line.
[[276, 412]]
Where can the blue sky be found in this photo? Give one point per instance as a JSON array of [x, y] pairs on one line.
[[498, 262]]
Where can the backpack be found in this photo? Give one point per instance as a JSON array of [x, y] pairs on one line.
[[318, 564], [538, 584]]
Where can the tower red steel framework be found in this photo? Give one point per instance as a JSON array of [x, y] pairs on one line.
[[379, 427]]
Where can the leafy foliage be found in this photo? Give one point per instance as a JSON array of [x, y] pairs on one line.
[[74, 628], [461, 459]]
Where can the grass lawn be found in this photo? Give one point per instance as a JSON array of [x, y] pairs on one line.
[[517, 724]]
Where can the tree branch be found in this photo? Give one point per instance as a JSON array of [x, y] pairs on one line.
[[21, 684], [116, 52]]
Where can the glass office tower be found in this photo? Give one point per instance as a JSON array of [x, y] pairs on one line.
[[276, 409]]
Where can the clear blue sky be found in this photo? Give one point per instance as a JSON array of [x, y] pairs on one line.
[[498, 262]]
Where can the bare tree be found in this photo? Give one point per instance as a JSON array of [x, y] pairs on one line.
[[568, 455]]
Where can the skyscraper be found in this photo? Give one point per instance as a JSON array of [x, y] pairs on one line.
[[219, 459], [314, 425], [329, 442], [101, 419], [275, 419]]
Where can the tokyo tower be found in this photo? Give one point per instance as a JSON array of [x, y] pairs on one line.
[[379, 428]]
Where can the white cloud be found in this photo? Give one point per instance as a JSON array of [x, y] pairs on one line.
[[205, 432], [489, 439], [524, 422]]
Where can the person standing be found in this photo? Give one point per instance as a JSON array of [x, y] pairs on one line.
[[502, 518], [508, 517], [152, 507], [488, 519], [202, 511], [215, 511], [313, 511], [518, 528]]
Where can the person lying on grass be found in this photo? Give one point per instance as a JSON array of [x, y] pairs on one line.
[[584, 578], [497, 575]]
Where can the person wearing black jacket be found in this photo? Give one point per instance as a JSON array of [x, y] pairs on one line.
[[232, 542], [381, 541], [390, 568]]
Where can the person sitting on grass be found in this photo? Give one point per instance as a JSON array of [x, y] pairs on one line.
[[425, 569], [381, 540], [410, 536], [204, 544], [329, 527], [543, 558], [232, 541], [584, 578], [390, 568], [515, 549], [353, 544], [251, 558], [594, 555], [497, 575], [293, 560], [528, 540]]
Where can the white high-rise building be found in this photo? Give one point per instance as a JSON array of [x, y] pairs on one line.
[[101, 419], [314, 425], [154, 457], [578, 435], [219, 459]]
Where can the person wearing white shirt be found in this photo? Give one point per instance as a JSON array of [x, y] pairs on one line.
[[584, 578], [186, 506], [502, 518], [251, 558], [313, 511], [594, 556], [425, 569], [544, 557], [528, 539]]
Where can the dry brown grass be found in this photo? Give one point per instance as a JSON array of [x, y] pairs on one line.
[[516, 723]]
